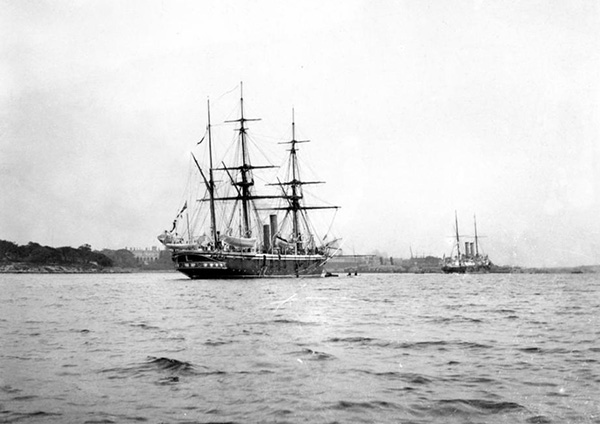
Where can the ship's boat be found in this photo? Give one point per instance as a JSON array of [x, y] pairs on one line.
[[239, 242], [249, 231], [472, 260]]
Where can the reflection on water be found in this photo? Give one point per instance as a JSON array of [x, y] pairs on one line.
[[372, 348]]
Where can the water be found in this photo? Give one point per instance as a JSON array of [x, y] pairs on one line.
[[373, 348]]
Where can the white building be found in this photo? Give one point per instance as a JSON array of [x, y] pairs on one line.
[[146, 255]]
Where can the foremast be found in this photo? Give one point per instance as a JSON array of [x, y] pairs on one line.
[[211, 184], [458, 255]]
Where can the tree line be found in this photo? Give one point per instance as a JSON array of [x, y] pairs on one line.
[[83, 256]]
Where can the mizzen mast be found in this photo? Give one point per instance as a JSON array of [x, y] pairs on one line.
[[295, 183]]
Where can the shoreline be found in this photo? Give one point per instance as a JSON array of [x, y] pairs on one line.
[[66, 269]]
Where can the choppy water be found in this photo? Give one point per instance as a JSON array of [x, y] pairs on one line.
[[373, 348]]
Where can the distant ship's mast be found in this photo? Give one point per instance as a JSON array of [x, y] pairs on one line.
[[457, 237], [476, 239]]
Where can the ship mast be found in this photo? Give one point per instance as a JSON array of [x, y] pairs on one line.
[[295, 184], [476, 239], [244, 192], [211, 183], [294, 205], [245, 169], [457, 237]]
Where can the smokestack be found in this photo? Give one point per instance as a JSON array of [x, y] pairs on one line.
[[274, 229], [467, 253], [266, 238], [473, 248]]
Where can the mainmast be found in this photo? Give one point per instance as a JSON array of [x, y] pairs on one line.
[[245, 170], [294, 183]]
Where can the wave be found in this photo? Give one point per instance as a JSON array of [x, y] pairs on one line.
[[285, 321], [313, 355], [145, 326], [217, 342], [469, 406], [538, 419], [9, 389], [350, 339], [292, 321], [118, 418], [12, 417], [455, 319], [25, 397], [440, 344], [171, 364], [553, 351], [374, 404], [174, 367], [408, 377]]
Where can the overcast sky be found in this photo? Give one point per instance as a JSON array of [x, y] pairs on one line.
[[416, 109]]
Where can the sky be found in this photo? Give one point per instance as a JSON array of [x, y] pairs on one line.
[[415, 110]]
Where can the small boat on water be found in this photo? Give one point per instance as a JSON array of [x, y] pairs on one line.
[[244, 233], [471, 261]]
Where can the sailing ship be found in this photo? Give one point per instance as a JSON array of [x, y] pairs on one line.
[[248, 234], [471, 261]]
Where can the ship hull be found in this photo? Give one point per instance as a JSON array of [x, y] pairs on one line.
[[465, 269], [228, 265], [454, 269]]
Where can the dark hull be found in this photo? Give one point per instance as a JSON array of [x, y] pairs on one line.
[[464, 269], [227, 265], [454, 269]]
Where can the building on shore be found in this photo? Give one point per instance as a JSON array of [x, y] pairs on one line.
[[351, 263], [145, 256], [380, 264]]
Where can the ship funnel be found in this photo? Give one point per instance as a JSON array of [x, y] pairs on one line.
[[273, 221], [467, 250], [266, 238]]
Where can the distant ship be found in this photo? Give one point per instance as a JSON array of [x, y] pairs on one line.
[[471, 261], [244, 234]]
